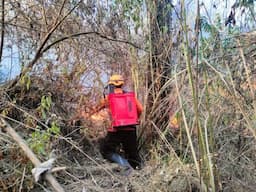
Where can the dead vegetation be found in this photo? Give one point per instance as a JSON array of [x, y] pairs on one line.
[[76, 149], [68, 50]]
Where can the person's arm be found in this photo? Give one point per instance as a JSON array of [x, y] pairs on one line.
[[103, 104], [82, 114]]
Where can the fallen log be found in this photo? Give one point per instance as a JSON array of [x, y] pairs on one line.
[[29, 153]]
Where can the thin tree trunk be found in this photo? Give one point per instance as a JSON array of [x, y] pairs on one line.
[[160, 65], [2, 32]]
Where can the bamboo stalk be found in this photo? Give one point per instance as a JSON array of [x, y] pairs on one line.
[[48, 176], [187, 130]]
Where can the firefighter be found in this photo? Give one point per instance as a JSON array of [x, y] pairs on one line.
[[124, 109]]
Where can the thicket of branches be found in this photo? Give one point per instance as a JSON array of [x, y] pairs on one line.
[[200, 73]]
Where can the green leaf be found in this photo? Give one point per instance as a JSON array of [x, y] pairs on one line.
[[55, 128], [48, 101], [165, 29], [28, 84], [43, 113]]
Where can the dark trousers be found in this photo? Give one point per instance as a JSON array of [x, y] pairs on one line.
[[125, 138]]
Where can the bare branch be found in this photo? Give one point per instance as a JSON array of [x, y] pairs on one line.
[[44, 16], [47, 37], [89, 33], [40, 48], [60, 11], [2, 32]]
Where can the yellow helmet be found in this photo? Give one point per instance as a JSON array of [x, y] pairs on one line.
[[116, 80]]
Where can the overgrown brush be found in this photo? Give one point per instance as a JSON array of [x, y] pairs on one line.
[[220, 100]]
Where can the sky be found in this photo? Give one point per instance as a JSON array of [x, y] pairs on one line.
[[10, 66], [208, 8]]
